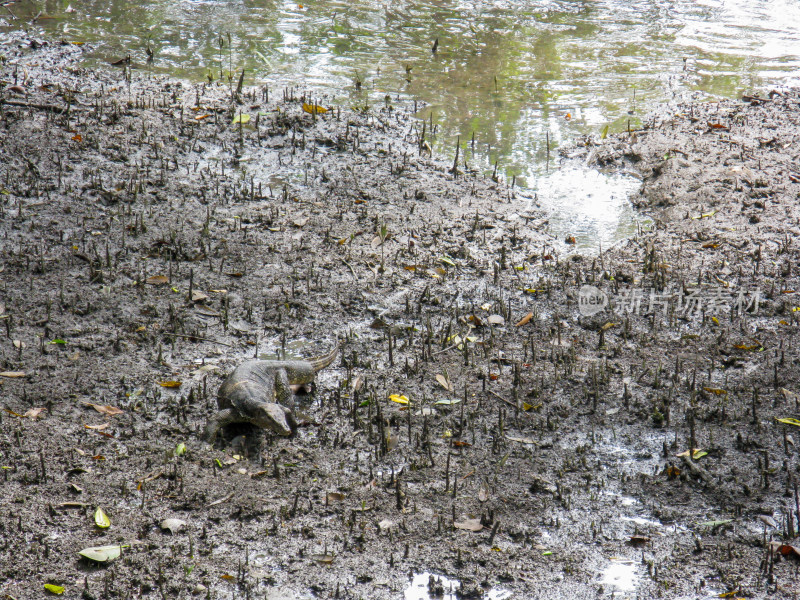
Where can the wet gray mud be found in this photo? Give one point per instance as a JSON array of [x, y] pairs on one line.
[[542, 396]]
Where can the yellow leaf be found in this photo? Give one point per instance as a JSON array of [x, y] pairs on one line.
[[53, 589], [101, 519], [241, 118], [314, 108], [398, 398], [716, 320], [170, 384], [788, 421], [716, 391]]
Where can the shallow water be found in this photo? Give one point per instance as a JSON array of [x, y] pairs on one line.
[[513, 75]]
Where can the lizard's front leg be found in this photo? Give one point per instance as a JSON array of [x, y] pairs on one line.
[[283, 390], [219, 420]]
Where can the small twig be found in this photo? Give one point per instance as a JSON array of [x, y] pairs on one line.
[[352, 271], [197, 338], [220, 501], [499, 397]]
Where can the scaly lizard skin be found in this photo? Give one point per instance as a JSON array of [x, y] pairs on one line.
[[258, 390]]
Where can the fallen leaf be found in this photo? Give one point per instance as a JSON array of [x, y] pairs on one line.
[[788, 421], [495, 320], [170, 384], [198, 296], [525, 320], [715, 523], [77, 137], [102, 553], [11, 374], [300, 222], [97, 427], [180, 449], [206, 311], [33, 413], [324, 559], [101, 519], [483, 491], [173, 525], [697, 454], [104, 409], [638, 540], [448, 401], [157, 280], [469, 525], [716, 391], [54, 589], [241, 118], [786, 549], [332, 497], [442, 380], [314, 108], [398, 398]]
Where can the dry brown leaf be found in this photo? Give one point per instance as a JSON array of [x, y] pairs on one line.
[[208, 312], [97, 427], [170, 384], [525, 320], [198, 296], [332, 497], [12, 374], [157, 280], [104, 409], [442, 380]]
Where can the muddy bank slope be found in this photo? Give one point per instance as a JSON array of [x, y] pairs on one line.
[[151, 243]]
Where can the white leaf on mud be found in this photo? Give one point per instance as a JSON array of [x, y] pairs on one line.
[[300, 222], [33, 413], [385, 525], [102, 553], [496, 320], [174, 525], [469, 525], [483, 491]]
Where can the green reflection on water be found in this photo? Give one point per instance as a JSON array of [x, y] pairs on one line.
[[509, 73]]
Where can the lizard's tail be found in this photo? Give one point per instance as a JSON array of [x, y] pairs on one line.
[[323, 361]]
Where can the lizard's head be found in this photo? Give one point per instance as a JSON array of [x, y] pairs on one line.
[[274, 417]]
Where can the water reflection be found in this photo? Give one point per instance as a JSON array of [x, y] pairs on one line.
[[509, 74]]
